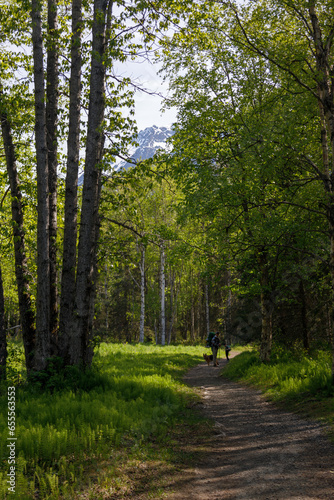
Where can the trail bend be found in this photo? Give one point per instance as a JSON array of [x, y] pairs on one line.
[[258, 452]]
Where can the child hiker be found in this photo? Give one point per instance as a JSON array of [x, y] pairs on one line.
[[227, 350]]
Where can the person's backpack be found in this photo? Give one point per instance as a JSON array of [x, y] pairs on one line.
[[209, 339], [227, 348]]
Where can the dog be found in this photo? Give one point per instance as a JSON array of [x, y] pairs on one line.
[[208, 358]]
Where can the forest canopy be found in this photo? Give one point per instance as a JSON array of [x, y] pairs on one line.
[[231, 228]]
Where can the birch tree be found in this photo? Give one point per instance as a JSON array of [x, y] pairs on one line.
[[142, 294], [162, 284], [80, 337], [114, 32], [42, 348], [71, 187], [51, 110]]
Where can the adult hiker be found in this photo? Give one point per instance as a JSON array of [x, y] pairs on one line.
[[209, 339], [215, 344]]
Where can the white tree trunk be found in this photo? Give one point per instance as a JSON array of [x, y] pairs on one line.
[[142, 295], [172, 307], [162, 295], [43, 263], [81, 347], [71, 191], [52, 92]]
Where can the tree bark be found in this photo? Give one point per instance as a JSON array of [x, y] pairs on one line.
[[266, 309], [306, 337], [162, 295], [71, 189], [207, 309], [52, 143], [192, 310], [3, 339], [266, 331], [228, 321], [172, 306], [89, 228], [27, 316], [106, 298], [43, 262], [142, 295], [88, 348]]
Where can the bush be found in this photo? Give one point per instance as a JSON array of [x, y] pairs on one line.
[[239, 366]]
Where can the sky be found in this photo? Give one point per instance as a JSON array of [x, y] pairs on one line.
[[148, 107]]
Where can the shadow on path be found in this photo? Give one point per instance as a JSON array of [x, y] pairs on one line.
[[258, 452]]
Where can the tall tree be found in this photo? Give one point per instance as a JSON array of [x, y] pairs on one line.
[[162, 283], [112, 36], [81, 348], [52, 148], [142, 294], [42, 350], [23, 278], [71, 188], [3, 336]]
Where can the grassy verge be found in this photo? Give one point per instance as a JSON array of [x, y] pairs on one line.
[[294, 380], [149, 471], [93, 435], [126, 428]]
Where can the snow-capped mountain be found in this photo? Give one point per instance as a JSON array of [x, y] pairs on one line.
[[149, 141]]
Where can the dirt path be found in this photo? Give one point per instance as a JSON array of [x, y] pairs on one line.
[[259, 451]]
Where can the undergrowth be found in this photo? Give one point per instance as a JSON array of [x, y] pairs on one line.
[[291, 374], [83, 434], [68, 420]]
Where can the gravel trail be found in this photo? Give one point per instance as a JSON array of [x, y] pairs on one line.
[[259, 451]]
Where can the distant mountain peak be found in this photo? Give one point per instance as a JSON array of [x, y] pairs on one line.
[[149, 141]]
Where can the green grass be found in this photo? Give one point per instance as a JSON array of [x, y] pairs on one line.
[[132, 395], [123, 428], [285, 377], [293, 379]]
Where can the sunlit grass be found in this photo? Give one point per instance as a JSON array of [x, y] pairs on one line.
[[286, 376], [88, 429], [132, 393], [298, 381]]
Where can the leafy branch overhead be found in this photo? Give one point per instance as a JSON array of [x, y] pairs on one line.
[[233, 221]]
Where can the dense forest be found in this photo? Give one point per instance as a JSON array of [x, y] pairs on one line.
[[231, 228]]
